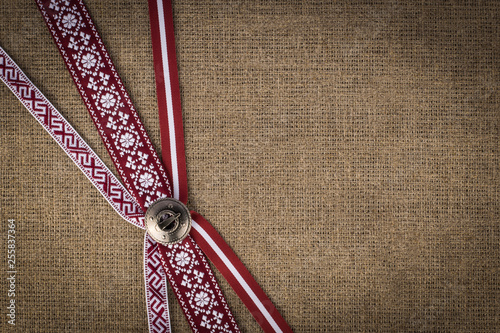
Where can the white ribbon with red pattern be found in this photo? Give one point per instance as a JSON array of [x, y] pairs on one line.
[[100, 176]]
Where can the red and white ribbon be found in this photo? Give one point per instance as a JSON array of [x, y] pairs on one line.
[[168, 95]]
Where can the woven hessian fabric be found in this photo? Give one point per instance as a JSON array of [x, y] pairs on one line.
[[347, 151]]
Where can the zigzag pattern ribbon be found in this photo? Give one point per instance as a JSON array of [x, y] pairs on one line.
[[69, 140], [156, 288], [100, 176]]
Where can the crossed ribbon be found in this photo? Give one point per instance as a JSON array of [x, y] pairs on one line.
[[146, 178]]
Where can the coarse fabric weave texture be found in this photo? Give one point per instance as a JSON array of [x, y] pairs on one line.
[[348, 151]]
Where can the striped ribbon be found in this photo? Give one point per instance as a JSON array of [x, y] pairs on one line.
[[170, 114], [168, 95]]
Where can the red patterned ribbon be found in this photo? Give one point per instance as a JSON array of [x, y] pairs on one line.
[[106, 99], [134, 156]]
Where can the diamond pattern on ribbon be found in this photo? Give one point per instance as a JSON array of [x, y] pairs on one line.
[[69, 21]]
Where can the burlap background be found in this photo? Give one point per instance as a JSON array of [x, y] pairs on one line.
[[347, 151]]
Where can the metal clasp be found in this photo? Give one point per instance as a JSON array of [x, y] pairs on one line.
[[168, 221]]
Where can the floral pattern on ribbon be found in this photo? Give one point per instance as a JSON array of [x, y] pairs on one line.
[[135, 158], [107, 100]]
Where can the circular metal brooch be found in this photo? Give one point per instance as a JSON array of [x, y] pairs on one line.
[[168, 221]]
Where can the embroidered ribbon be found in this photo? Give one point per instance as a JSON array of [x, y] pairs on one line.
[[135, 158]]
